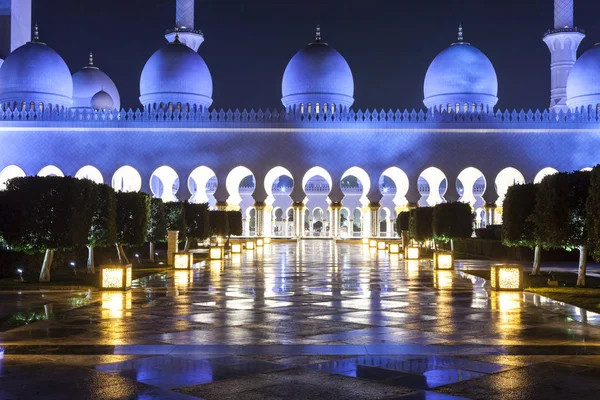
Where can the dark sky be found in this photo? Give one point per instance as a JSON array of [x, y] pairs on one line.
[[388, 43]]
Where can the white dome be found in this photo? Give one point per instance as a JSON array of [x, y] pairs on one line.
[[583, 86], [461, 74], [88, 81], [35, 73], [102, 101], [176, 74], [317, 74]]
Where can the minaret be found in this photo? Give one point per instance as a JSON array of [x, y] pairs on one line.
[[563, 42], [184, 25]]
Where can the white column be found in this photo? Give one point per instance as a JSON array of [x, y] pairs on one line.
[[284, 227], [563, 42], [260, 219], [374, 219], [246, 225], [390, 228]]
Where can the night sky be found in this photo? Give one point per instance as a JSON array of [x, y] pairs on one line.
[[388, 44]]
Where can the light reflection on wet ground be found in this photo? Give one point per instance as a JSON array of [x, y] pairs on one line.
[[313, 304]]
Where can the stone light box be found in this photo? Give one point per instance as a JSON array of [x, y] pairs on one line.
[[394, 248], [412, 253], [250, 245], [506, 277], [217, 253], [115, 277], [183, 261], [443, 261], [236, 248], [381, 246]]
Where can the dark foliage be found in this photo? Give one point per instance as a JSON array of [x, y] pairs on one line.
[[197, 220], [403, 221], [133, 211], [234, 219], [103, 231], [176, 221], [452, 221], [421, 224], [157, 222]]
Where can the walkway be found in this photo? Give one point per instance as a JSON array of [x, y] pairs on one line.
[[312, 320]]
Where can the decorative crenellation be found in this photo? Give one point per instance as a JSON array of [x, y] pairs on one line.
[[283, 116]]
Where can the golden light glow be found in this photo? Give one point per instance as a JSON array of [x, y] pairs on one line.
[[373, 243], [114, 304], [259, 242], [443, 261], [128, 276], [236, 248], [182, 261], [394, 248], [381, 246], [413, 268], [236, 260], [183, 279], [216, 253], [412, 253], [250, 245], [219, 241], [506, 277], [442, 280], [112, 278], [267, 240], [365, 240]]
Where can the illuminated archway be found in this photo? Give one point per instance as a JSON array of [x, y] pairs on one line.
[[127, 179], [470, 185], [316, 172], [8, 173], [91, 173], [506, 178], [164, 183], [544, 173], [400, 185], [50, 170], [279, 184], [202, 184], [361, 186], [432, 187], [240, 181]]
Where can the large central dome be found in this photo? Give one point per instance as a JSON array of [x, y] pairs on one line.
[[583, 85], [317, 74], [176, 75], [461, 75]]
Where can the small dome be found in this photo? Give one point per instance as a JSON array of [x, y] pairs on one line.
[[176, 74], [583, 86], [88, 81], [317, 74], [461, 74], [35, 73], [102, 101]]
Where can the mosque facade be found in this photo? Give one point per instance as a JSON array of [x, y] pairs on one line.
[[315, 167]]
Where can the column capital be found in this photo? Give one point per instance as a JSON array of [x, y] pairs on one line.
[[221, 205], [297, 204], [490, 206], [336, 205], [374, 205], [260, 205], [412, 206]]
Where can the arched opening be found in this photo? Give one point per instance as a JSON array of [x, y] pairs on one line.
[[164, 184], [318, 222], [202, 184], [127, 179], [394, 183], [386, 222], [317, 185], [8, 173], [544, 173], [356, 223], [249, 222], [240, 184], [470, 186], [279, 184], [91, 173], [50, 170], [346, 223], [432, 185], [355, 184], [506, 178]]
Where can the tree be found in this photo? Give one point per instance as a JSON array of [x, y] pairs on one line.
[[403, 225], [175, 212], [157, 224], [560, 214], [518, 227], [219, 223], [452, 221], [103, 231], [197, 222], [420, 224], [46, 214], [133, 211], [593, 212], [234, 220]]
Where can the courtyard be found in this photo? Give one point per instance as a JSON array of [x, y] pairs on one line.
[[312, 319]]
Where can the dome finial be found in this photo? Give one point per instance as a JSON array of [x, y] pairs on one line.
[[460, 32], [91, 59], [318, 34], [36, 33], [176, 36]]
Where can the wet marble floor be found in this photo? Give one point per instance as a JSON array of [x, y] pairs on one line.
[[298, 321]]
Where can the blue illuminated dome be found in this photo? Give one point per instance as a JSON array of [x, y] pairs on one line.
[[90, 80], [102, 101], [34, 73], [583, 86], [461, 78], [317, 75], [176, 75]]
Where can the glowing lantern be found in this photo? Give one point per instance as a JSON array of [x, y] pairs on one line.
[[443, 261], [394, 248], [259, 242], [372, 243], [250, 245], [217, 253], [506, 277], [236, 248], [267, 240], [365, 240], [183, 261], [115, 277], [381, 246], [412, 253]]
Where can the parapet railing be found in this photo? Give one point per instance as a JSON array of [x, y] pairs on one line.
[[285, 116]]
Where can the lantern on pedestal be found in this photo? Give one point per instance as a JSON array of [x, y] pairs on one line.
[[506, 277], [217, 253], [183, 261], [412, 253], [443, 261], [394, 248], [115, 277], [236, 248]]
